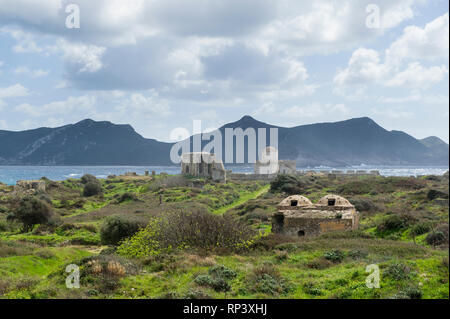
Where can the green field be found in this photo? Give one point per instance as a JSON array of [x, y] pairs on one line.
[[403, 231]]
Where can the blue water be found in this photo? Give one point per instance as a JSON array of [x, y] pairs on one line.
[[11, 174]]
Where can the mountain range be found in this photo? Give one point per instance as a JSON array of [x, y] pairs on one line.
[[351, 142]]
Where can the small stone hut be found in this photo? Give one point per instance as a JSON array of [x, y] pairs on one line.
[[298, 216], [202, 164]]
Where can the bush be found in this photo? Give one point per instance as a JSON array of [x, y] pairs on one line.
[[196, 294], [319, 263], [288, 184], [397, 271], [105, 271], [434, 193], [189, 230], [217, 278], [92, 189], [335, 256], [88, 178], [222, 272], [309, 288], [265, 279], [116, 228], [364, 204], [411, 292], [31, 211], [126, 197], [436, 238], [420, 229], [391, 223], [288, 247]]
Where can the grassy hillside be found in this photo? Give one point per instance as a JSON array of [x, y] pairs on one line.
[[403, 230]]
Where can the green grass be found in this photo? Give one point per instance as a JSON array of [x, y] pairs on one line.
[[32, 264], [243, 199]]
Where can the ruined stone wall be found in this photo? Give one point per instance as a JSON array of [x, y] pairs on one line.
[[300, 227]]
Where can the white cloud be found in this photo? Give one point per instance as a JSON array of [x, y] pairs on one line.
[[25, 42], [81, 104], [16, 90], [152, 104], [23, 70], [364, 67], [417, 76], [84, 58], [430, 42]]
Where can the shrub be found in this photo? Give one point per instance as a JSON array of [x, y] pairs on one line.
[[364, 204], [216, 283], [126, 197], [288, 247], [88, 178], [411, 292], [105, 271], [397, 271], [92, 189], [335, 256], [281, 255], [189, 230], [116, 228], [196, 294], [319, 263], [265, 279], [436, 238], [217, 278], [288, 184], [391, 223], [420, 229], [31, 211], [309, 288], [434, 193], [222, 272]]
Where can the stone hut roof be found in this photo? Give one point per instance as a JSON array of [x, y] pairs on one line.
[[334, 201], [294, 201]]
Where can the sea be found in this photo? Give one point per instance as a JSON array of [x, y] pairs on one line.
[[11, 174]]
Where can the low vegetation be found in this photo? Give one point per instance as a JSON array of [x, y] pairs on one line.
[[176, 237]]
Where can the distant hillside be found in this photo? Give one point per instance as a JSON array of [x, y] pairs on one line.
[[84, 143], [436, 145], [352, 142]]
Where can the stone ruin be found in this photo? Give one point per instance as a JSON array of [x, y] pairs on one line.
[[298, 216], [30, 186], [203, 165], [269, 163]]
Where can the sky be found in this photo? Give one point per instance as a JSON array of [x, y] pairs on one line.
[[160, 64]]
